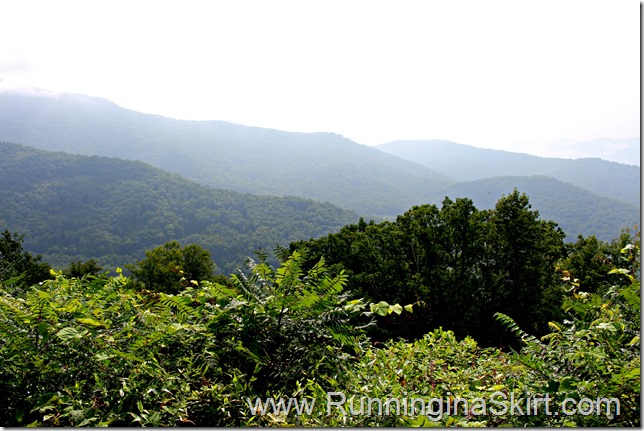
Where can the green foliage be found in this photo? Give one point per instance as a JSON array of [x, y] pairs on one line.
[[170, 267], [592, 357], [77, 208], [459, 264], [78, 269], [523, 253], [591, 261], [92, 351], [18, 268], [438, 365], [594, 354]]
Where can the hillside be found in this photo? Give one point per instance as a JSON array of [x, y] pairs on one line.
[[576, 210], [466, 163], [78, 207], [321, 166]]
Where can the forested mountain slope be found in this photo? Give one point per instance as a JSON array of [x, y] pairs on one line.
[[466, 163], [78, 207], [576, 211], [320, 166]]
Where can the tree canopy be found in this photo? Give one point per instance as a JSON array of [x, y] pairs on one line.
[[460, 264], [170, 267], [19, 269]]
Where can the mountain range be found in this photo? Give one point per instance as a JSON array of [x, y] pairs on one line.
[[72, 207], [467, 163], [585, 196], [320, 166]]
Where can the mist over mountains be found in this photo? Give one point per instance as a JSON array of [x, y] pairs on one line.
[[466, 163], [229, 167], [320, 166], [624, 151]]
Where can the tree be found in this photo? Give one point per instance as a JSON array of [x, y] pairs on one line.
[[458, 263], [18, 268], [520, 259], [79, 269], [170, 267]]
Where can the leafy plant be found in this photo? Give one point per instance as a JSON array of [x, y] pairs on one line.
[[93, 351], [592, 355]]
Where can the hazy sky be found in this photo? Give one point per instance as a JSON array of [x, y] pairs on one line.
[[518, 75]]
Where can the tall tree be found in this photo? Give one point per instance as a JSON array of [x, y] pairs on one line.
[[519, 266]]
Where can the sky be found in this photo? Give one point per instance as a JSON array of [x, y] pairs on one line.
[[540, 77]]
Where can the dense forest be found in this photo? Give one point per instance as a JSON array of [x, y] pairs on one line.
[[321, 166], [79, 208], [474, 307]]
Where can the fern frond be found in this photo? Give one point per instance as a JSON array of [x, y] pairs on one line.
[[249, 288], [554, 326], [510, 324], [180, 303]]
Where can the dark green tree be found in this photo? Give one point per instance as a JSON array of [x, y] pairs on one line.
[[519, 267], [450, 244], [459, 264], [79, 269], [19, 269], [170, 267], [588, 263]]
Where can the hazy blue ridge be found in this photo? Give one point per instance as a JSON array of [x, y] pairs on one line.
[[73, 207], [466, 163], [320, 166], [327, 167]]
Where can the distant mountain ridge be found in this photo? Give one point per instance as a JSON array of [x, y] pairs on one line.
[[320, 166], [626, 151], [73, 207], [466, 163]]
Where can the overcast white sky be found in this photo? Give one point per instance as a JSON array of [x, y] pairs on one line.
[[534, 76]]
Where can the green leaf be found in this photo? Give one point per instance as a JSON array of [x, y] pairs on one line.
[[42, 329], [69, 333], [397, 308], [88, 321], [618, 271], [409, 308], [381, 308], [566, 384]]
